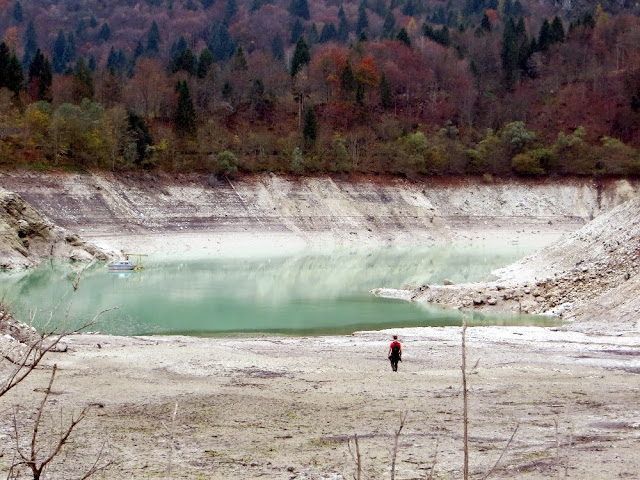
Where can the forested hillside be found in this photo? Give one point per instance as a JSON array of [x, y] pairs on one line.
[[407, 87]]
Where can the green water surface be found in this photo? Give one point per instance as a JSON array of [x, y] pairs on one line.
[[316, 292]]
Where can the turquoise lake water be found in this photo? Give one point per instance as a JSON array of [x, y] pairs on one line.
[[308, 293]]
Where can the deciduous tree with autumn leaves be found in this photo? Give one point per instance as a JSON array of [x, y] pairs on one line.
[[354, 86]]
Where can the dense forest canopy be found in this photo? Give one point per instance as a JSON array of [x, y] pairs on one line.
[[488, 87]]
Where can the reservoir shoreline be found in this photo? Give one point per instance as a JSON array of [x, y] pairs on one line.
[[280, 407]]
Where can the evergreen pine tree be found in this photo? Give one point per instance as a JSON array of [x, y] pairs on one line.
[[239, 62], [544, 37], [17, 12], [15, 75], [507, 8], [204, 62], [347, 80], [221, 44], [153, 39], [509, 54], [556, 34], [185, 61], [301, 56], [30, 45], [138, 51], [40, 77], [179, 46], [139, 132], [185, 115], [440, 17], [343, 26], [359, 93], [277, 47], [389, 26], [255, 5], [297, 30], [227, 90], [363, 20], [313, 35], [524, 46], [328, 33], [105, 33], [230, 10], [517, 8], [386, 94], [310, 128], [5, 54], [11, 73], [299, 8], [112, 60], [58, 53], [515, 52], [485, 24], [409, 8], [379, 6], [81, 27], [70, 48], [403, 37], [82, 85]]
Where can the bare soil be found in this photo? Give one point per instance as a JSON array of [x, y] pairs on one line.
[[285, 408]]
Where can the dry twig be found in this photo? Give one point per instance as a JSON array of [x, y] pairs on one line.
[[465, 401], [502, 453], [30, 458], [170, 430], [355, 455], [394, 451], [36, 351]]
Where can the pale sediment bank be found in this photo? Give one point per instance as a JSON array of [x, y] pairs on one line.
[[326, 211]]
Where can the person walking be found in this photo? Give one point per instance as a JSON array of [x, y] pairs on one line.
[[395, 353]]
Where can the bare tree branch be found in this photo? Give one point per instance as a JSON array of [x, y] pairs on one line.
[[30, 458], [433, 461], [356, 456], [170, 431], [506, 447], [36, 351], [465, 400], [394, 451]]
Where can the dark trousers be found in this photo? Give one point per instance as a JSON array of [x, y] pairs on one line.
[[394, 362]]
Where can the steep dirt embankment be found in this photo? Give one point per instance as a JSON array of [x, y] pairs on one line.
[[316, 210], [590, 275], [26, 236]]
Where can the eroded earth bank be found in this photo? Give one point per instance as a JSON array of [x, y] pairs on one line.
[[556, 402]]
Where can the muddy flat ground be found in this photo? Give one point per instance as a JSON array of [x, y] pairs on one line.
[[285, 407]]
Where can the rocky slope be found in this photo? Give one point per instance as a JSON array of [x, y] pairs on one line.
[[26, 236], [591, 275], [318, 210]]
